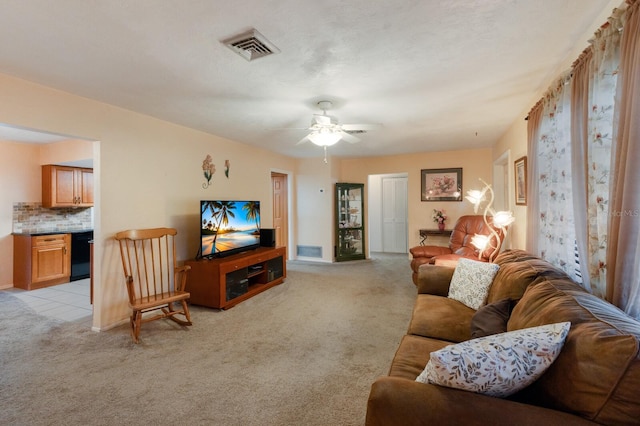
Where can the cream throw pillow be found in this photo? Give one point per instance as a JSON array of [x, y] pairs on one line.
[[471, 281], [497, 365]]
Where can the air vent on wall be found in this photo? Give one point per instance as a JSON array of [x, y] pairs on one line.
[[309, 251], [251, 45]]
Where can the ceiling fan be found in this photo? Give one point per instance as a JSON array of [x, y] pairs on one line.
[[325, 130]]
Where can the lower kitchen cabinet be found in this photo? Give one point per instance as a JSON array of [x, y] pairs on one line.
[[41, 261]]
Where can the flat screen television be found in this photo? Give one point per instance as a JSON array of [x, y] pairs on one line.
[[228, 227]]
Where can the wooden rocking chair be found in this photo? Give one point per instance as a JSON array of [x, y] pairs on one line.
[[154, 281]]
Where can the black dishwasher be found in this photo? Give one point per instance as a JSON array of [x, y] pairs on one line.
[[80, 255]]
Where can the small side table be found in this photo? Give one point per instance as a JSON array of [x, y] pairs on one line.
[[424, 233]]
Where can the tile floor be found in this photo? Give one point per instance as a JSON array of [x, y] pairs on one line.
[[66, 302]]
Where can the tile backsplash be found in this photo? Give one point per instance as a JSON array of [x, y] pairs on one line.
[[32, 217]]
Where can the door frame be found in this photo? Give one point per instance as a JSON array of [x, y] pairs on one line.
[[289, 181], [502, 176], [375, 208]]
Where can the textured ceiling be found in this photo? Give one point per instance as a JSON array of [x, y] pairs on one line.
[[438, 75]]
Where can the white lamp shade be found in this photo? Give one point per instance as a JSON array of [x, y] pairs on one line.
[[324, 137], [475, 197], [503, 219], [480, 241]]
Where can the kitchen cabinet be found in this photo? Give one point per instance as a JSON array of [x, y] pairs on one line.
[[349, 221], [41, 261], [64, 186]]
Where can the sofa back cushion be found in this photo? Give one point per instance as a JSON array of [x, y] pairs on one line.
[[518, 270], [597, 374], [492, 318]]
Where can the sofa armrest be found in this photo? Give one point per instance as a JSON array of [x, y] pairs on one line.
[[428, 251], [434, 279], [398, 401]]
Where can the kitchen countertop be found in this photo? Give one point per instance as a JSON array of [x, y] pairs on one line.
[[38, 233]]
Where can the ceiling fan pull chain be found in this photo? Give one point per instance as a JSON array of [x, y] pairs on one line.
[[325, 154]]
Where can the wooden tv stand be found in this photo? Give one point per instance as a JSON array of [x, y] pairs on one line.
[[224, 282]]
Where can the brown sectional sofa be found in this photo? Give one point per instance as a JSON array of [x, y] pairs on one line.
[[594, 380]]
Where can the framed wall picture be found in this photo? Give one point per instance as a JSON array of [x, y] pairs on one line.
[[520, 166], [441, 184]]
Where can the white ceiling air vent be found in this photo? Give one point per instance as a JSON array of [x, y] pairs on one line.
[[251, 45]]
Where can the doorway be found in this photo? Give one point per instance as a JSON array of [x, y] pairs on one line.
[[68, 301], [501, 181], [280, 194], [387, 218]]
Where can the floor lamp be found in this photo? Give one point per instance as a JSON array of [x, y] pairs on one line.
[[500, 220]]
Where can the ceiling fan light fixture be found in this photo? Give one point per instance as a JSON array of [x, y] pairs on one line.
[[324, 137]]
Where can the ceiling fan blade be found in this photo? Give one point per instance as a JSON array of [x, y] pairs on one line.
[[288, 128], [348, 138], [303, 140], [361, 126]]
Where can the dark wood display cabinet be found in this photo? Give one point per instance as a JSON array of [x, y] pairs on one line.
[[224, 282], [349, 221]]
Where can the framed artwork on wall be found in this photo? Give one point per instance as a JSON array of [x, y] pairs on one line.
[[520, 166], [441, 184]]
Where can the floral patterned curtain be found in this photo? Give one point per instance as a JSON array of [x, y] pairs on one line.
[[603, 73], [534, 119], [623, 253], [580, 108], [575, 202], [602, 144], [557, 235]]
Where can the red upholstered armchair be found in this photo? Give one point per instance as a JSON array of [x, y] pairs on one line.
[[459, 245]]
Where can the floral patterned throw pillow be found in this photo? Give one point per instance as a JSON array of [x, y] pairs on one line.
[[471, 281], [498, 365]]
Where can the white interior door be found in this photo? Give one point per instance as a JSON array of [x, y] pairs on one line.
[[394, 214]]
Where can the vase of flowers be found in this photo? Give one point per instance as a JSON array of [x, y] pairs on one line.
[[439, 216]]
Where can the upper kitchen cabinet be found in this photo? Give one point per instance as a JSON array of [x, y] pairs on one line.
[[64, 186]]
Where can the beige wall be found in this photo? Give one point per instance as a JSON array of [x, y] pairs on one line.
[[476, 164], [20, 177], [148, 173], [66, 151], [314, 212], [514, 143]]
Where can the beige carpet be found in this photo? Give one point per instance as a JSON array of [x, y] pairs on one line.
[[302, 353]]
